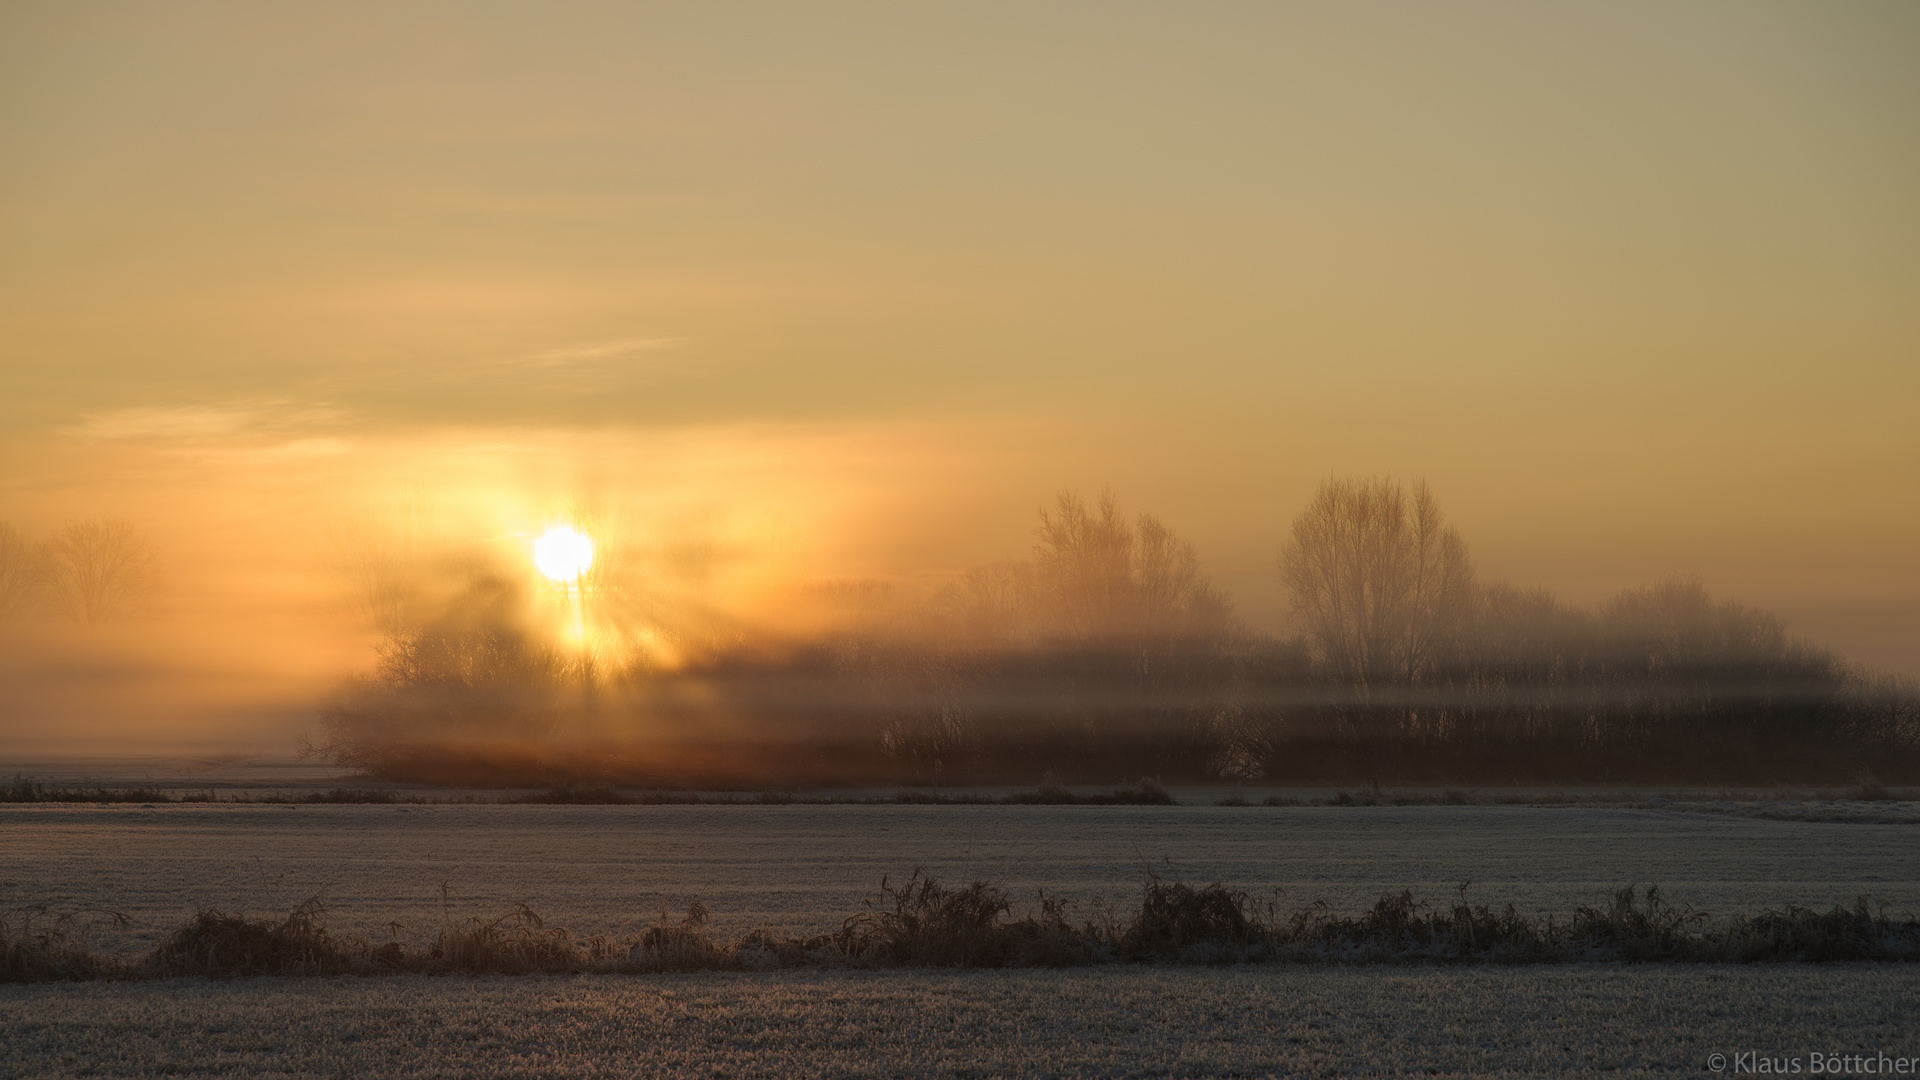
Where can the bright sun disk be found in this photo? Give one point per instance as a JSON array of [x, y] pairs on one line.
[[563, 553]]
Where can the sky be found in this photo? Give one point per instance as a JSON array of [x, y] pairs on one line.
[[850, 290]]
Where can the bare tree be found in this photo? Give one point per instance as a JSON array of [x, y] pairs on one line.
[[1099, 575], [99, 569], [385, 576], [1085, 564], [1172, 596], [20, 573], [988, 604], [1377, 578]]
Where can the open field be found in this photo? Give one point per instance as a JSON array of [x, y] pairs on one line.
[[801, 868], [1628, 1021]]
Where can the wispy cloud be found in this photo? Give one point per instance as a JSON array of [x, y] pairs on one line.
[[604, 350], [256, 419]]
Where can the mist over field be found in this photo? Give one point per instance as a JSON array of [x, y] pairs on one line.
[[951, 539], [711, 652], [805, 320]]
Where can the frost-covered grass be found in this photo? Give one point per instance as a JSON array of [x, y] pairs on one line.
[[799, 870], [796, 870], [1637, 1021], [1818, 811]]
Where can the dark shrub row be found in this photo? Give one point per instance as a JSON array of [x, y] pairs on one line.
[[922, 923]]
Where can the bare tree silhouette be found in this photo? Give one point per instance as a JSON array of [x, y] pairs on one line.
[[1084, 560], [1100, 576], [989, 604], [99, 569], [1378, 579], [382, 575], [1173, 596], [20, 573]]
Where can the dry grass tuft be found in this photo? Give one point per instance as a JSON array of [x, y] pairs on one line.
[[921, 923], [1856, 933], [1178, 922], [26, 791], [682, 946], [513, 943], [1052, 793], [1630, 929], [219, 945], [41, 945], [577, 795], [1870, 789]]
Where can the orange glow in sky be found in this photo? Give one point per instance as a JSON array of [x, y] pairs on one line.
[[817, 293]]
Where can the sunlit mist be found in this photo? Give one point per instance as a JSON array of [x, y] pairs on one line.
[[1152, 486], [655, 336]]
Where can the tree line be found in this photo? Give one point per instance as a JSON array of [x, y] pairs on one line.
[[1106, 655]]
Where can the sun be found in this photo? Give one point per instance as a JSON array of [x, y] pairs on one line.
[[563, 553]]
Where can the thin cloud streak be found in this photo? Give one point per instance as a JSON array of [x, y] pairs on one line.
[[605, 350], [206, 421], [263, 432]]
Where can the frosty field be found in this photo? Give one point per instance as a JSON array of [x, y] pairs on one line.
[[601, 869], [1625, 1021], [804, 867]]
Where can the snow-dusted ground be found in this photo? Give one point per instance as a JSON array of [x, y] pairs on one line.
[[1847, 811], [601, 869], [1628, 1021], [598, 869]]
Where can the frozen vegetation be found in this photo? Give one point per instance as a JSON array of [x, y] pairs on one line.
[[800, 869], [1659, 1020], [1006, 891], [1162, 992]]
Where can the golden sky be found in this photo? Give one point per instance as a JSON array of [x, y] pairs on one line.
[[1635, 286]]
